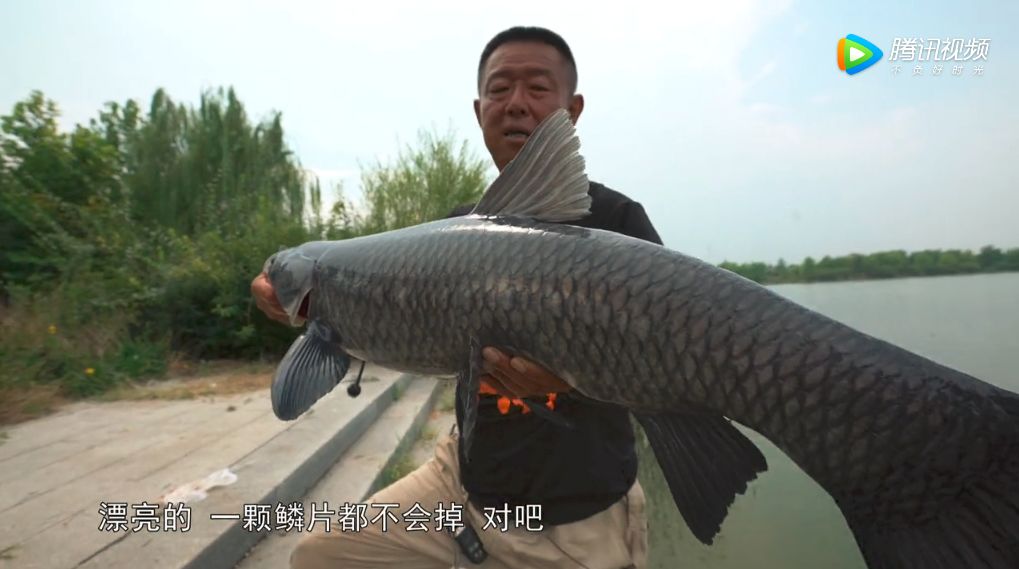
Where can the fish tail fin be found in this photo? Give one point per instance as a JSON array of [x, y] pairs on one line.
[[978, 527], [312, 367]]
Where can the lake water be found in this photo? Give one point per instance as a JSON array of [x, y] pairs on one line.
[[785, 520]]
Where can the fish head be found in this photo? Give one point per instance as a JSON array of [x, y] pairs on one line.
[[290, 272]]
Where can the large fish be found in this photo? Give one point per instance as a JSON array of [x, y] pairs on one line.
[[922, 460]]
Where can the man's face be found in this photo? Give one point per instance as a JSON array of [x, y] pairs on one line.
[[522, 83]]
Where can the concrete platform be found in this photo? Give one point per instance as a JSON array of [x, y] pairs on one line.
[[357, 474], [55, 471]]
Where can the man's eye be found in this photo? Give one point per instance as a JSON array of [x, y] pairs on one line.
[[498, 89]]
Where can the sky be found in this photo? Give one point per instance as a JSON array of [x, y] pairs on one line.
[[729, 121]]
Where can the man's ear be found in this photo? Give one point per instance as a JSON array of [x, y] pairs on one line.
[[477, 110], [576, 107]]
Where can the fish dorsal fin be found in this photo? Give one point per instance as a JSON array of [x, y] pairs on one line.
[[546, 180]]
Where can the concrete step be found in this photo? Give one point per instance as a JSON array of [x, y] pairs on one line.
[[281, 469], [360, 471]]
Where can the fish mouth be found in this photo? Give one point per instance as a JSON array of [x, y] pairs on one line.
[[293, 310], [290, 272]]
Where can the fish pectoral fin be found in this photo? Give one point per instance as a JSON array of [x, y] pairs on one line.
[[546, 180], [312, 367], [470, 378], [706, 461]]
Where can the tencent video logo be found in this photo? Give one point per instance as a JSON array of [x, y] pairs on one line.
[[856, 54]]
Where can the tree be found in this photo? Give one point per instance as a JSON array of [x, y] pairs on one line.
[[424, 184], [342, 222], [193, 169], [990, 258], [50, 182], [780, 273], [1010, 262], [808, 268], [147, 224]]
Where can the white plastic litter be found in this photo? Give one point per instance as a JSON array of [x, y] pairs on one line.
[[197, 490]]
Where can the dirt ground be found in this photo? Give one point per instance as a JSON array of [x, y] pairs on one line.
[[185, 380]]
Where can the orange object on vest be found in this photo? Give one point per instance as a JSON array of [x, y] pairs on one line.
[[504, 403]]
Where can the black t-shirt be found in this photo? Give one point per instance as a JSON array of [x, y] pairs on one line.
[[519, 459]]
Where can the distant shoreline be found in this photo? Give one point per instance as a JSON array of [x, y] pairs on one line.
[[895, 278], [882, 265]]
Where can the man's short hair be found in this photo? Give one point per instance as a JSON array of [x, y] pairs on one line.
[[534, 34]]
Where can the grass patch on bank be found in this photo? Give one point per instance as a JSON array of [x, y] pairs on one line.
[[28, 402], [185, 380], [207, 381], [400, 466], [7, 553], [428, 434], [447, 399]]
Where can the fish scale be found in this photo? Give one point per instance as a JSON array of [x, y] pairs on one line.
[[919, 457]]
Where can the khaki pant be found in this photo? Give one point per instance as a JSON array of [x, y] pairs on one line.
[[615, 538]]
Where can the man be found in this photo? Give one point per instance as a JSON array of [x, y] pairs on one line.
[[583, 478]]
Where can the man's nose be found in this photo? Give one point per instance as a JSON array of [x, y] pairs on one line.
[[517, 104]]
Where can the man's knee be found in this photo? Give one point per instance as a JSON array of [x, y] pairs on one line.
[[363, 550], [319, 551]]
